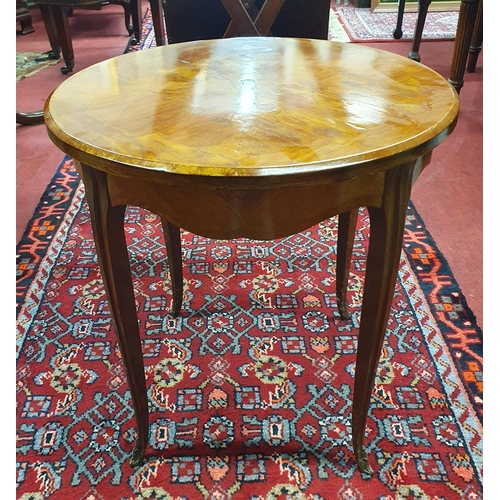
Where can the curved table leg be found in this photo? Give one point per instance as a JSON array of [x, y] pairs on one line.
[[465, 27], [345, 242], [423, 7], [172, 237], [112, 253], [386, 236]]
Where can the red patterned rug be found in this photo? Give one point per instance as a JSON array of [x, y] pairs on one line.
[[361, 25], [250, 388]]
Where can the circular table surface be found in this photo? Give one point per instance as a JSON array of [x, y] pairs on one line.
[[252, 107]]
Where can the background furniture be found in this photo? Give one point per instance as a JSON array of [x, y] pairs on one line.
[[31, 118], [23, 16], [468, 40], [55, 17], [208, 19], [235, 138], [423, 7]]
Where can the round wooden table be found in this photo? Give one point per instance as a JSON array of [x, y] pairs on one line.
[[259, 138]]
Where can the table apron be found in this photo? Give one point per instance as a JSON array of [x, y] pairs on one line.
[[251, 213]]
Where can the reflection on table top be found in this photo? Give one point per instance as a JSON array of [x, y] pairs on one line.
[[252, 106]]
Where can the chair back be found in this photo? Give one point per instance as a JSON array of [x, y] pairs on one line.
[[208, 19]]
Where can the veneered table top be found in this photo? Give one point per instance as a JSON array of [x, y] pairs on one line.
[[252, 107]]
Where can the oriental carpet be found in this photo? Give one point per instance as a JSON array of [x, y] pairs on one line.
[[361, 25], [250, 388]]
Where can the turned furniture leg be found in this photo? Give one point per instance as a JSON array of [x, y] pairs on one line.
[[61, 23], [158, 21], [465, 27], [172, 237], [398, 32], [50, 28], [423, 7], [136, 11], [345, 242], [477, 40], [107, 227], [386, 237]]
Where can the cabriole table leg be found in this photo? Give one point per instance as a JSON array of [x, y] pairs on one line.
[[386, 235], [345, 242], [107, 227], [172, 237]]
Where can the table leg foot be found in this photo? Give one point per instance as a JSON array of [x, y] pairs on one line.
[[397, 34], [344, 312], [465, 31], [68, 68], [137, 455], [362, 461], [414, 55]]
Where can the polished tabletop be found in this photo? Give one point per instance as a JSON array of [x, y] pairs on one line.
[[277, 105]]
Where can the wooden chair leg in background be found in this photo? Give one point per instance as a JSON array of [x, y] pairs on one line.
[[136, 11], [398, 32], [423, 7], [477, 40], [128, 13], [55, 19], [50, 28], [158, 21], [465, 28]]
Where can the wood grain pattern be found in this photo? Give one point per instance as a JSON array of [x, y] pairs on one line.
[[252, 107]]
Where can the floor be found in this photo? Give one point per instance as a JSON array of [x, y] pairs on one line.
[[448, 194]]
